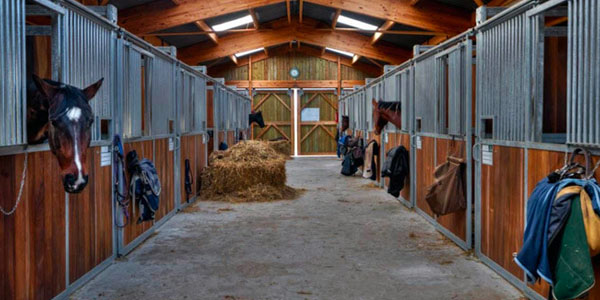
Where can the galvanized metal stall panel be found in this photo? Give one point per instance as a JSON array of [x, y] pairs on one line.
[[503, 79], [163, 96], [12, 77], [132, 91], [583, 74], [425, 97], [90, 56]]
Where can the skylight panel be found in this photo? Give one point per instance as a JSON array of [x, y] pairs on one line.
[[356, 23], [249, 52], [340, 51], [233, 23]]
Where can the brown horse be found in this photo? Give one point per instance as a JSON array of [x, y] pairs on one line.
[[61, 113], [384, 112]]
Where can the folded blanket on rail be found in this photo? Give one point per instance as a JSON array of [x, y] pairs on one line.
[[370, 167], [548, 210]]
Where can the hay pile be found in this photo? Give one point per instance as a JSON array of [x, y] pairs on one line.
[[282, 147], [249, 171]]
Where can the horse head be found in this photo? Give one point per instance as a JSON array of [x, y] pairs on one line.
[[384, 112], [345, 123], [68, 124], [256, 117], [378, 119]]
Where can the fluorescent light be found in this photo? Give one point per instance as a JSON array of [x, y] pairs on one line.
[[249, 52], [356, 23], [233, 23], [340, 52]]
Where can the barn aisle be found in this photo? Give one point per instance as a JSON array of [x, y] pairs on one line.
[[341, 240]]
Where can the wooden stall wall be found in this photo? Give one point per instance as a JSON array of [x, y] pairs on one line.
[[230, 138], [164, 161], [33, 238], [403, 139], [90, 219], [503, 207], [425, 167], [192, 148], [455, 222], [144, 149], [33, 249]]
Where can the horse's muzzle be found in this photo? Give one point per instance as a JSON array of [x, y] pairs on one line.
[[72, 185]]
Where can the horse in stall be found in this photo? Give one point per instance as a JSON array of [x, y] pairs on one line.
[[256, 117], [61, 114], [384, 112]]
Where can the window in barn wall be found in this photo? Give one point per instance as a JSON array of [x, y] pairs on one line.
[[549, 66]]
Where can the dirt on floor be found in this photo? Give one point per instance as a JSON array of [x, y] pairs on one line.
[[339, 240]]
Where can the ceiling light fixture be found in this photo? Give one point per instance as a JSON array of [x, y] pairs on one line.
[[233, 23], [356, 23], [340, 52], [249, 52]]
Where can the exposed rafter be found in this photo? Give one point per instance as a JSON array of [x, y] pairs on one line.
[[287, 8], [254, 18], [233, 59], [337, 14], [479, 2], [355, 58], [377, 35], [433, 16], [162, 14], [414, 2], [300, 8], [304, 33], [203, 26]]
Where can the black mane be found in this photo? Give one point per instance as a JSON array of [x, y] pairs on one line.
[[395, 106]]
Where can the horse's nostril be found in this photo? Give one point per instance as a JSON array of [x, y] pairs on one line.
[[69, 179]]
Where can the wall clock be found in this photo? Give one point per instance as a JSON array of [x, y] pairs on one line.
[[294, 72]]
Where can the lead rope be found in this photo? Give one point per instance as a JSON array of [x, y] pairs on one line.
[[23, 176]]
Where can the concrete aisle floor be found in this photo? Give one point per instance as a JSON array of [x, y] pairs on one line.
[[343, 239]]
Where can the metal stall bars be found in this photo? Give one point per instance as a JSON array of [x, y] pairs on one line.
[[399, 87], [12, 64], [502, 121], [443, 127], [148, 106]]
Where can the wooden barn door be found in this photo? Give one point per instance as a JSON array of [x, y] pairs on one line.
[[277, 111], [317, 125]]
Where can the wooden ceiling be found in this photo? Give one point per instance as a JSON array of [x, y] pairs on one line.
[[401, 24]]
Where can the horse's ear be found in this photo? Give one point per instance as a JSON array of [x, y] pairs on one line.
[[91, 90], [45, 88]]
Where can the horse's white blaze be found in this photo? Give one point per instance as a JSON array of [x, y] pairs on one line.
[[74, 113], [77, 160]]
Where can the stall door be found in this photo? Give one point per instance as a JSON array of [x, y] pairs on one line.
[[277, 111], [317, 125]]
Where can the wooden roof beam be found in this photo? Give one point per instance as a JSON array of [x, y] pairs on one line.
[[432, 16], [355, 58], [233, 59], [162, 14], [300, 8], [377, 35], [203, 26], [254, 18], [304, 33], [337, 14], [287, 8], [479, 2]]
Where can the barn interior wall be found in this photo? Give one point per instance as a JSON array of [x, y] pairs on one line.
[[278, 67]]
